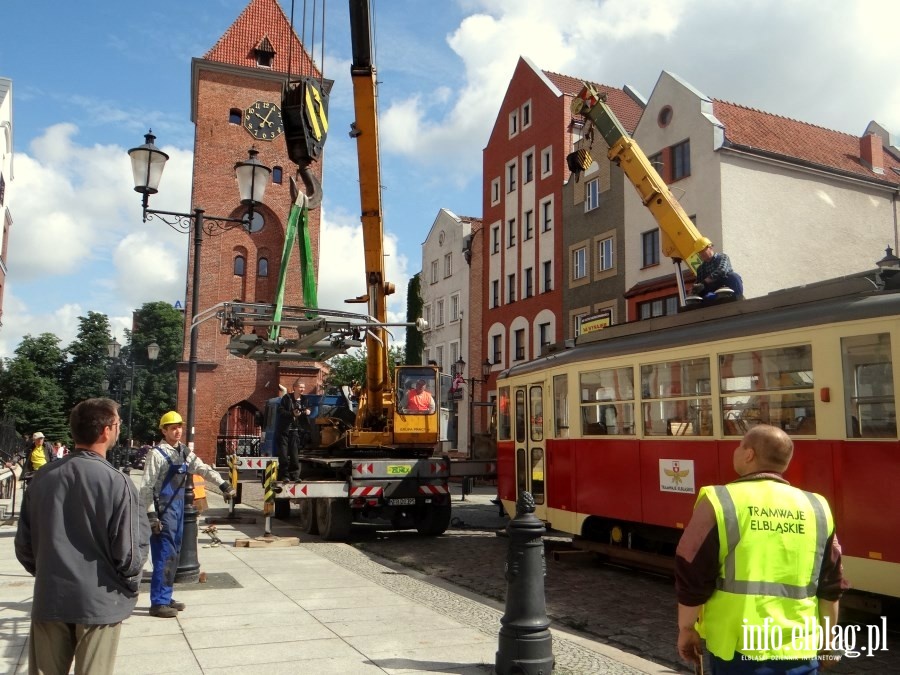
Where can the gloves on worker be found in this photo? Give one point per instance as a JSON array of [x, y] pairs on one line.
[[155, 525], [227, 491]]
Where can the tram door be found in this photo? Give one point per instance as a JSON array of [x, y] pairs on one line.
[[528, 424]]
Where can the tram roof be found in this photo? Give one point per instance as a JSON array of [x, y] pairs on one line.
[[836, 300]]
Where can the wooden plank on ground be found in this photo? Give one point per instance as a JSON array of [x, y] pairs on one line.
[[263, 542]]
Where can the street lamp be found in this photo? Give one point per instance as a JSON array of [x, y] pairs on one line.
[[117, 365], [485, 374], [888, 269], [147, 164]]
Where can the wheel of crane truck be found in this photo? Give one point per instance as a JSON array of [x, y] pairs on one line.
[[282, 509], [433, 521], [333, 517], [307, 516]]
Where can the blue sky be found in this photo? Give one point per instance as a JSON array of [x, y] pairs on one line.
[[89, 78]]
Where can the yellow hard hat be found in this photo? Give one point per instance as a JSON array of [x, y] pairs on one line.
[[170, 417], [703, 243]]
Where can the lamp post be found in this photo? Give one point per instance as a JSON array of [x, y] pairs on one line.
[[147, 164], [485, 373], [117, 366]]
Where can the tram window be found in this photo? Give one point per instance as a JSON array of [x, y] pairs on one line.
[[768, 386], [521, 471], [520, 416], [607, 402], [561, 406], [503, 422], [676, 398], [537, 475], [869, 404], [536, 411]]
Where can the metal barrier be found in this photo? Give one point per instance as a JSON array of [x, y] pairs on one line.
[[242, 445]]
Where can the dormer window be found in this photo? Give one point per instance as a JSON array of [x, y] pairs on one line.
[[265, 53]]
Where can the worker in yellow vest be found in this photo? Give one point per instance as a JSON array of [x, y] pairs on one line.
[[758, 569]]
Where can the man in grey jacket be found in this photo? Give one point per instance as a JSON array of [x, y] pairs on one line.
[[84, 536]]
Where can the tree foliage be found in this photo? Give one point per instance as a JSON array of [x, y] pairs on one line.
[[415, 343], [42, 382], [31, 391], [352, 366]]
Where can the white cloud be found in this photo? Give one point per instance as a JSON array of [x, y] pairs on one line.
[[74, 212], [792, 59], [342, 269]]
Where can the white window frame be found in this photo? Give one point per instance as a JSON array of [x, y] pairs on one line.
[[439, 313], [528, 167], [512, 175], [454, 353], [495, 239], [514, 123], [434, 271], [454, 307], [426, 314], [526, 114], [511, 232], [579, 263], [546, 161], [528, 225], [547, 210], [439, 357], [448, 265], [606, 254], [511, 287], [495, 191], [592, 195], [578, 319], [545, 265]]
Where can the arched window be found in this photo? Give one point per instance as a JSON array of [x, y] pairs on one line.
[[239, 265], [235, 116], [276, 174], [262, 267]]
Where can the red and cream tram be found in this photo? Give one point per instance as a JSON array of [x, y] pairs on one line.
[[615, 435]]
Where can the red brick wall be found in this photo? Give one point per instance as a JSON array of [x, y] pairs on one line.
[[224, 381]]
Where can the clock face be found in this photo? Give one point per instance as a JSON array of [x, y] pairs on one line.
[[263, 121]]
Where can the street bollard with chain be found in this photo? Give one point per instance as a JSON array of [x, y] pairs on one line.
[[525, 645]]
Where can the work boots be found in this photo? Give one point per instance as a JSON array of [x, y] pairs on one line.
[[177, 605], [163, 611]]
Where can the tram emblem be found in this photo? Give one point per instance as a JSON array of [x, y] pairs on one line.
[[676, 475]]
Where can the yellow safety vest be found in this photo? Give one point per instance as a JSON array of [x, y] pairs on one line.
[[771, 544]]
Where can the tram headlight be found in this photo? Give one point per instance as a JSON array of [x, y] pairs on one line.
[[616, 535]]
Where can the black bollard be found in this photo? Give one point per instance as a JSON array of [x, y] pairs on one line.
[[525, 645], [188, 571]]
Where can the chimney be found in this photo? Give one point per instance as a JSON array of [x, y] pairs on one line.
[[871, 152]]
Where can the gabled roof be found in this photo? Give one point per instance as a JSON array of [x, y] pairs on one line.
[[263, 24], [765, 133], [624, 106]]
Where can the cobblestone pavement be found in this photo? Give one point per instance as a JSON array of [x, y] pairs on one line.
[[631, 610]]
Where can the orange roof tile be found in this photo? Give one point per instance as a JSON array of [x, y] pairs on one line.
[[626, 108], [767, 133], [263, 20]]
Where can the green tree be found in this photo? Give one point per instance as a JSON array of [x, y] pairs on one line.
[[88, 363], [352, 366], [415, 343], [156, 382], [30, 384]]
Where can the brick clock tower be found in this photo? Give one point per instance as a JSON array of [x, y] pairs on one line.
[[241, 75]]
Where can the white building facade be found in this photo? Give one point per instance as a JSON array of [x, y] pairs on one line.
[[445, 296], [6, 177], [789, 202]]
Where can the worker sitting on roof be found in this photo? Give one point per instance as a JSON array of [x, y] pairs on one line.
[[715, 275]]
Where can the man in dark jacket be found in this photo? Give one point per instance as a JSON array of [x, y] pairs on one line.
[[84, 536], [293, 430]]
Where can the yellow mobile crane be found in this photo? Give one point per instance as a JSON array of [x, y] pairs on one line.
[[373, 456], [680, 239]]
